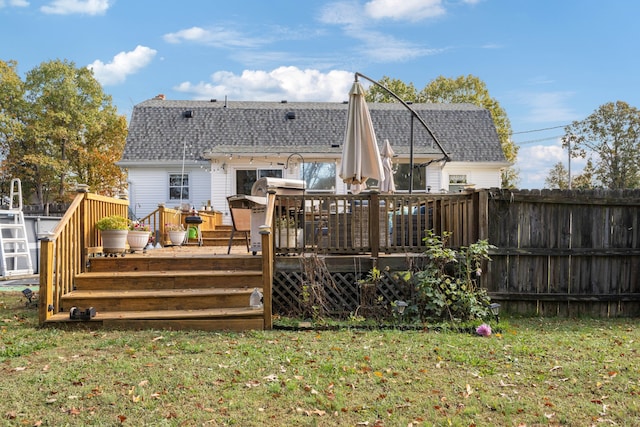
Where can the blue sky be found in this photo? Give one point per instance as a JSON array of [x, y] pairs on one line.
[[547, 62]]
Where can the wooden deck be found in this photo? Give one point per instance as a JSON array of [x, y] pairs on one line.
[[178, 287]]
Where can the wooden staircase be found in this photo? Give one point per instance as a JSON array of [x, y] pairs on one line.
[[220, 237], [164, 290]]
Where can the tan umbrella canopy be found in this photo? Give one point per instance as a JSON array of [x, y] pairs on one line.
[[360, 155], [388, 184]]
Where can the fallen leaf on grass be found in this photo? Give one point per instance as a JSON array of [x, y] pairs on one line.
[[19, 368], [468, 391], [311, 412]]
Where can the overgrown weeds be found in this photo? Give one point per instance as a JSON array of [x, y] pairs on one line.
[[535, 372]]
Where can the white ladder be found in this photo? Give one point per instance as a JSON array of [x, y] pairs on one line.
[[14, 245]]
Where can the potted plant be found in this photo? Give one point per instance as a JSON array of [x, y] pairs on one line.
[[286, 232], [114, 230], [176, 233], [138, 235]]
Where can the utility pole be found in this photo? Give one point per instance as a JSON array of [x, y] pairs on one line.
[[567, 140]]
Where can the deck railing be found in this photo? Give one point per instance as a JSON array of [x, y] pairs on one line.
[[344, 224], [162, 216], [64, 250]]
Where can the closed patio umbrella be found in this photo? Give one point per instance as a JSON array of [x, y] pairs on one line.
[[360, 155], [388, 184]]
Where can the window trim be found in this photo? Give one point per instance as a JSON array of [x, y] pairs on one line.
[[188, 186]]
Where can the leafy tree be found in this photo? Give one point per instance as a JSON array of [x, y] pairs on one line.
[[59, 129], [406, 92], [464, 89], [584, 181], [610, 139], [558, 177], [473, 90]]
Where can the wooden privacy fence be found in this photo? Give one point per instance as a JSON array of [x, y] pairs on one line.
[[565, 252]]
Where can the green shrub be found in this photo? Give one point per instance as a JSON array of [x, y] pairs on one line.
[[113, 222], [447, 287]]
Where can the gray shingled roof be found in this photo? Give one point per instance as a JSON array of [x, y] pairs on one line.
[[159, 128]]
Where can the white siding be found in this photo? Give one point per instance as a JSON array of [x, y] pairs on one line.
[[149, 187], [481, 176]]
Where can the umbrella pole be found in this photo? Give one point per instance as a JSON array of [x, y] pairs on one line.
[[446, 157], [411, 158]]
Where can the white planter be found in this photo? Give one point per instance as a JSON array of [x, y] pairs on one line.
[[114, 241], [177, 237], [288, 238], [137, 240]]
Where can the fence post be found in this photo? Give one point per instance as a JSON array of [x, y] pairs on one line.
[[45, 297], [482, 214]]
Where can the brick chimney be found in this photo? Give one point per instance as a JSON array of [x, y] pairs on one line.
[[160, 97]]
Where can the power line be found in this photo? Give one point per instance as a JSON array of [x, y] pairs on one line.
[[531, 141], [538, 130]]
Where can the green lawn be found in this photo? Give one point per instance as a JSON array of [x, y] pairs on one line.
[[577, 372]]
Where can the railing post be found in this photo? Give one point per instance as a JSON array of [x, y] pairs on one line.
[[266, 233], [374, 223], [45, 297], [85, 229]]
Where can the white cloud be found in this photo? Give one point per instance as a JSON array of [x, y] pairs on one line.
[[548, 106], [376, 45], [68, 7], [122, 65], [536, 161], [218, 36], [290, 83], [409, 10], [13, 3], [382, 47], [342, 13]]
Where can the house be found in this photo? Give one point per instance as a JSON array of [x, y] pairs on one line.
[[200, 152]]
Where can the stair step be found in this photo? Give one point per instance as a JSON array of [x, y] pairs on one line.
[[10, 226], [151, 300], [187, 262], [158, 280], [210, 319], [13, 254]]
